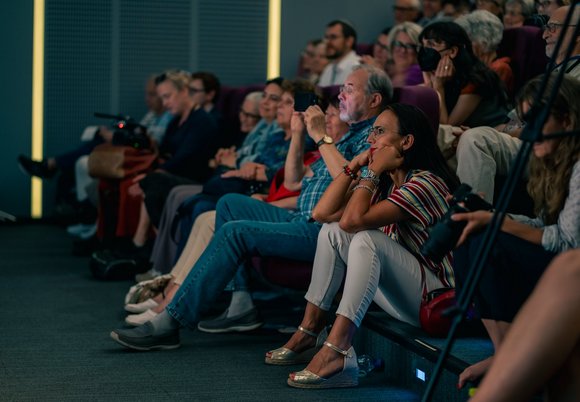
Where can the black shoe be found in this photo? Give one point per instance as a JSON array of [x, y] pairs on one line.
[[239, 323], [35, 168], [142, 338]]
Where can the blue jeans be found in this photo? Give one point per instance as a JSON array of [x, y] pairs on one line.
[[244, 227]]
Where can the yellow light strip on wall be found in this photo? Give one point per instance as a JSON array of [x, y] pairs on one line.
[[274, 26], [37, 103]]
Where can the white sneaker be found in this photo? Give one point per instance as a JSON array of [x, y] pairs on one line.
[[140, 319], [141, 307]]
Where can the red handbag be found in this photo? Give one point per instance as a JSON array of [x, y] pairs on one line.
[[433, 305], [109, 161]]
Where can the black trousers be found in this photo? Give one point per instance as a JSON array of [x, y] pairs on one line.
[[513, 269]]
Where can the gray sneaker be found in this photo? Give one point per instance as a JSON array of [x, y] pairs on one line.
[[142, 338], [239, 323]]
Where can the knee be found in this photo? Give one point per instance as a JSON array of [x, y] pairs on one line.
[[472, 140], [226, 202]]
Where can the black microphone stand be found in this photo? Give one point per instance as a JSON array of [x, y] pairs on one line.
[[532, 132]]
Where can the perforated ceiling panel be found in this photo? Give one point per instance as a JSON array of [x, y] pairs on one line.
[[233, 39]]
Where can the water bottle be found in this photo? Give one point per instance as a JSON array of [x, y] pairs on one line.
[[367, 363]]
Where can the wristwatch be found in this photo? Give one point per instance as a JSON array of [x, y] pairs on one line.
[[324, 140]]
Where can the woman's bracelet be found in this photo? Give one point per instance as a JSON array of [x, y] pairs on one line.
[[368, 188], [348, 171]]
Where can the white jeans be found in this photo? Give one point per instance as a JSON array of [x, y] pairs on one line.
[[377, 268], [483, 153]]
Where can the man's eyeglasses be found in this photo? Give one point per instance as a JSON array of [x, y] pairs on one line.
[[404, 46], [249, 115], [553, 26], [332, 36], [346, 89]]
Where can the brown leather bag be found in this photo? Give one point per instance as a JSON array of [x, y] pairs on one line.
[[109, 161]]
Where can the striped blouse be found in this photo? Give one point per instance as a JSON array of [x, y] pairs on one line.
[[422, 196]]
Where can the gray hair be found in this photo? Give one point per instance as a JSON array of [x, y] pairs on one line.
[[483, 28], [254, 97], [378, 82], [410, 28], [527, 6]]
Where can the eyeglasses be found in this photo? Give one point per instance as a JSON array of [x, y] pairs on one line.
[[346, 89], [404, 46], [377, 131], [551, 27], [196, 90], [332, 36], [249, 115]]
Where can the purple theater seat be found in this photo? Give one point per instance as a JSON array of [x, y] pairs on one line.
[[527, 50], [229, 104], [364, 49], [296, 274]]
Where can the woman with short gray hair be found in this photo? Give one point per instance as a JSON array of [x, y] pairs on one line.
[[486, 31]]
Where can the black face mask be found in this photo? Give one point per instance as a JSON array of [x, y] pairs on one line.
[[428, 59]]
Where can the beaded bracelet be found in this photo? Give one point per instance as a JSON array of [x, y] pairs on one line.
[[347, 171], [369, 189], [375, 182]]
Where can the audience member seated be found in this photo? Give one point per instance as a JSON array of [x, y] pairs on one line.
[[252, 176], [163, 254], [260, 156], [190, 141], [493, 6], [376, 216], [517, 12], [246, 227], [455, 8], [404, 42], [313, 60], [470, 93], [340, 39], [406, 11], [204, 227], [553, 30], [525, 246], [156, 120], [485, 31], [484, 152], [430, 10], [547, 7], [381, 56], [542, 347]]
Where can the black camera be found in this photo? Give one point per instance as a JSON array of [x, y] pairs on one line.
[[444, 235], [127, 131]]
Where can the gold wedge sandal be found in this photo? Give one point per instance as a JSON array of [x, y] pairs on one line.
[[285, 357], [348, 377]]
